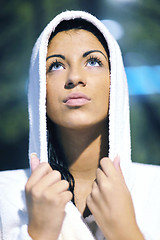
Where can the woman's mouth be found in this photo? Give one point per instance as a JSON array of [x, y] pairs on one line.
[[76, 99]]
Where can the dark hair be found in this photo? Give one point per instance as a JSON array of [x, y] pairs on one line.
[[56, 156], [80, 23], [55, 152]]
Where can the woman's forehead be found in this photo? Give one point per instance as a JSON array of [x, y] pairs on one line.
[[78, 38]]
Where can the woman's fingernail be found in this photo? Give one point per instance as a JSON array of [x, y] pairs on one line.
[[33, 155], [118, 158], [34, 161], [117, 161]]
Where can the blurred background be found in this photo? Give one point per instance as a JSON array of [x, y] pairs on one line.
[[135, 25]]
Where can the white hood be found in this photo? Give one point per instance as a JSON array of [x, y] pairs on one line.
[[119, 127]]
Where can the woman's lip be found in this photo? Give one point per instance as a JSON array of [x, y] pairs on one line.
[[76, 99]]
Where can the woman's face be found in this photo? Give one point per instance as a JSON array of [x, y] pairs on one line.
[[77, 80]]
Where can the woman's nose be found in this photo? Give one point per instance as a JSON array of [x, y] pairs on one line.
[[75, 77]]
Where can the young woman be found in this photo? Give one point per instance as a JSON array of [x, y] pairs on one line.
[[79, 136]]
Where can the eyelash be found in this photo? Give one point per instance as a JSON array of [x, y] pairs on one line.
[[91, 58], [54, 63], [94, 59]]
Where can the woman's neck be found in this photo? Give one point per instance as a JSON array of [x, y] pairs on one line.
[[83, 149]]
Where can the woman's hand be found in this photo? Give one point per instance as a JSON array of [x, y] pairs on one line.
[[46, 197], [111, 204]]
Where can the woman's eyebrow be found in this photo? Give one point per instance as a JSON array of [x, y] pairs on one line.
[[56, 55], [92, 51]]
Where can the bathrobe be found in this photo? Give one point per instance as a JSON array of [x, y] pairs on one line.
[[143, 181]]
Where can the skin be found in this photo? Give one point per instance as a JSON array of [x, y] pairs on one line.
[[82, 133], [77, 75]]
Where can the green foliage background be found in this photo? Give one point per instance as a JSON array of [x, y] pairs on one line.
[[21, 22]]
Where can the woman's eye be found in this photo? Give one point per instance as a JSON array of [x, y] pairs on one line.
[[94, 62], [56, 66]]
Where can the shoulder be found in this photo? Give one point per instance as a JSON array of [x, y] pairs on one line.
[[14, 178], [146, 188], [145, 167], [146, 197], [13, 210], [146, 174], [147, 179], [12, 186]]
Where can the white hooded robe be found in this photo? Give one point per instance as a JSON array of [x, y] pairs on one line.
[[142, 180]]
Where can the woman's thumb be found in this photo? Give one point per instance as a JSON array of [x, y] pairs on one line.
[[34, 161], [117, 166]]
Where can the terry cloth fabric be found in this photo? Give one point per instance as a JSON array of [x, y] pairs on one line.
[[119, 127], [142, 180]]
